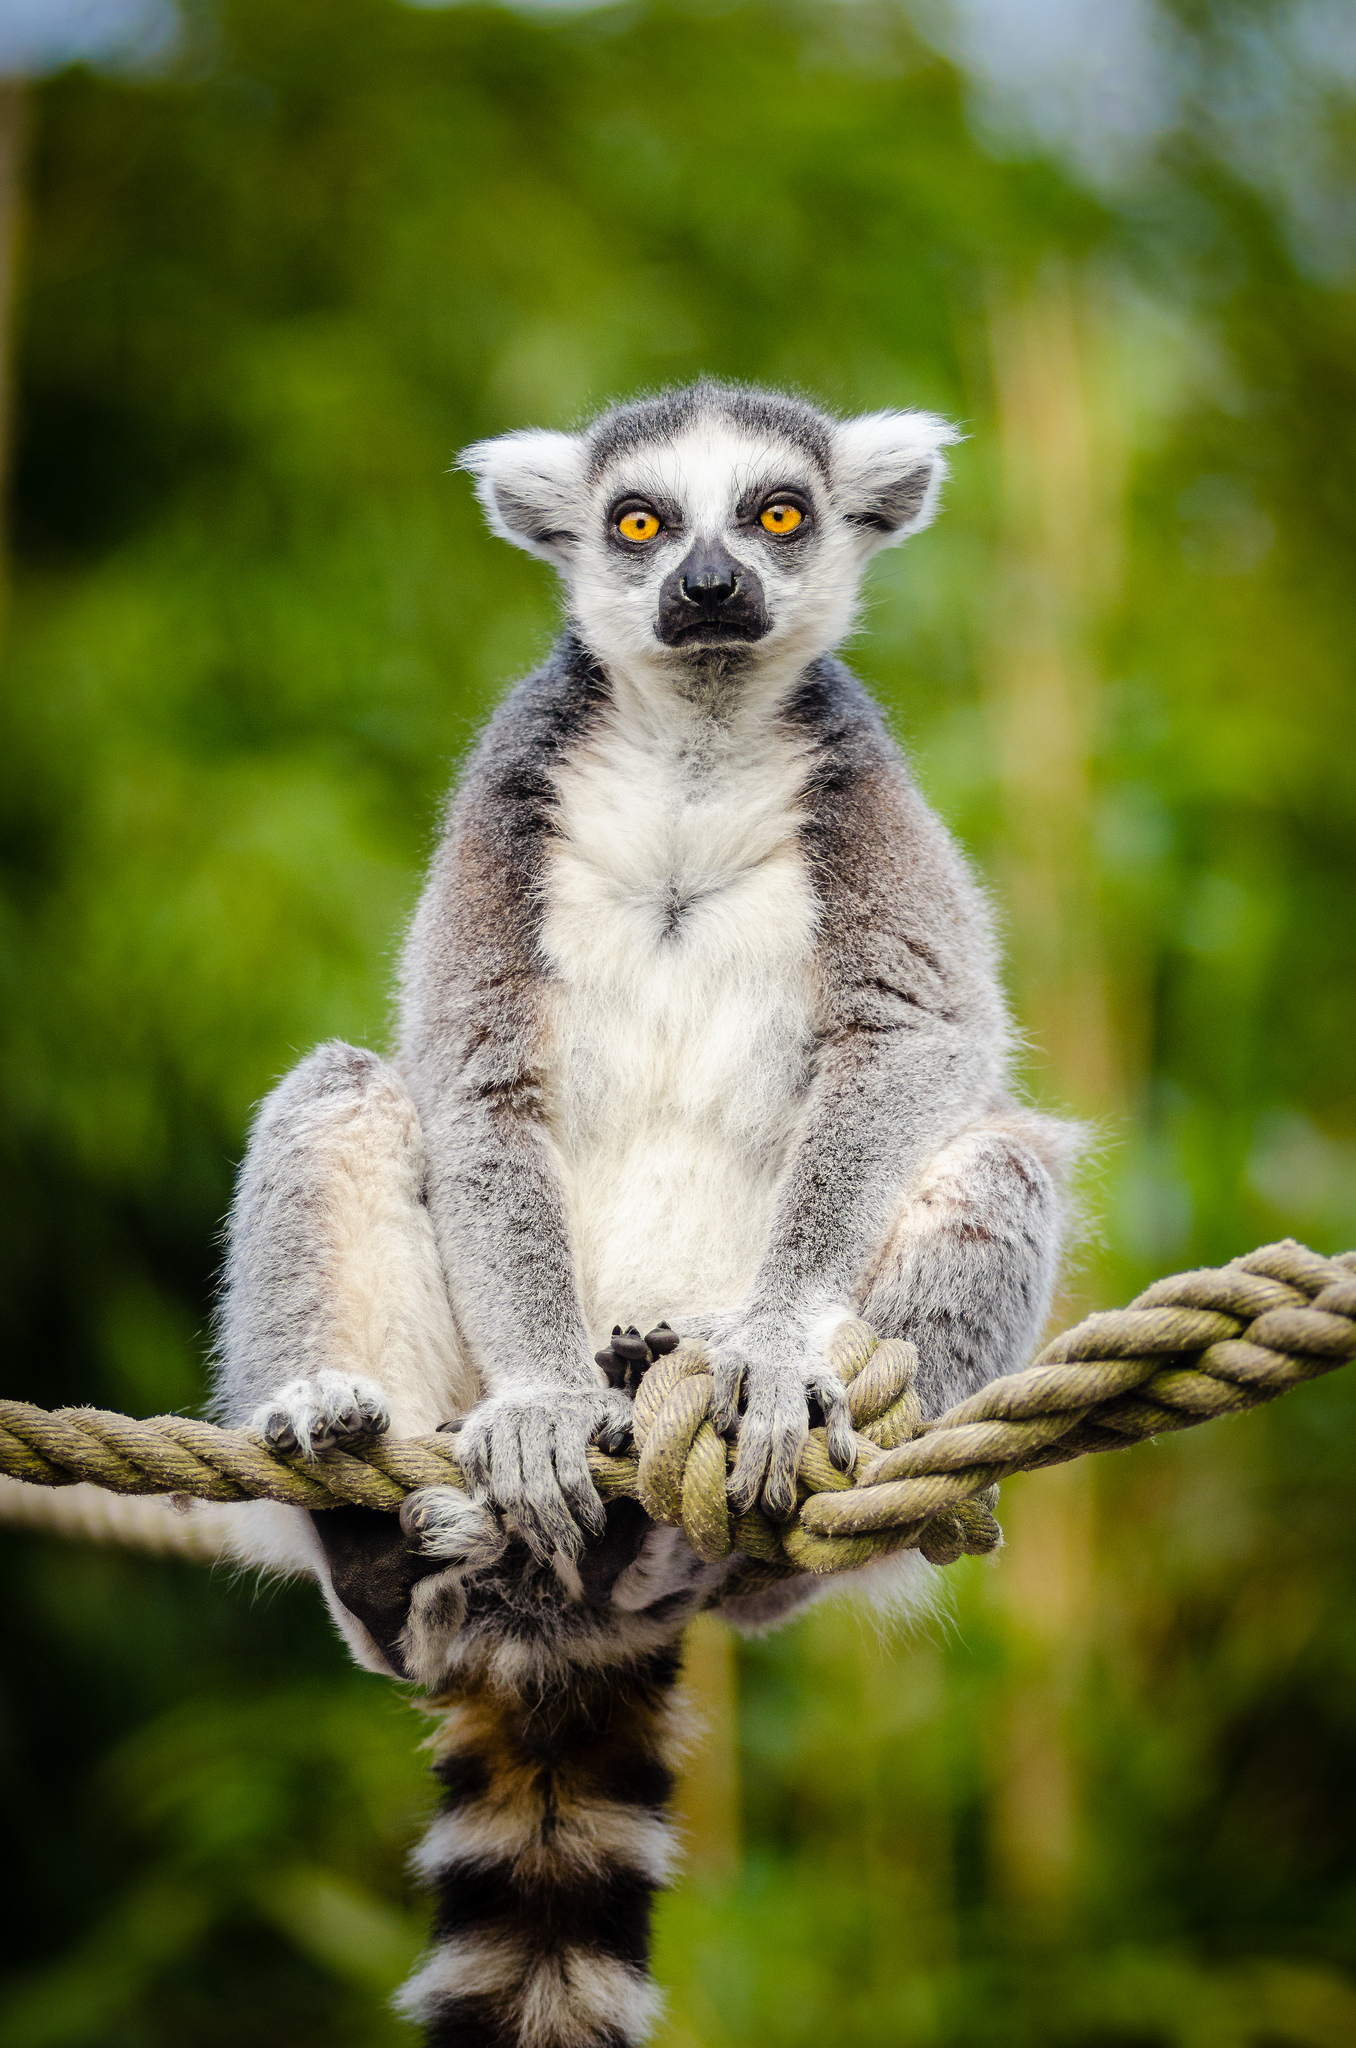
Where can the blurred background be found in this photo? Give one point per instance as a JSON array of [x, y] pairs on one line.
[[266, 265]]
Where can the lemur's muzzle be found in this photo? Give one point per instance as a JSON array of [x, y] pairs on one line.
[[710, 598]]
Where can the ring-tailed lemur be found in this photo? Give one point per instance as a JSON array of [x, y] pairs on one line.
[[699, 1019]]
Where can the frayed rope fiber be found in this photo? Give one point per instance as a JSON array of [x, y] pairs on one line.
[[1201, 1344]]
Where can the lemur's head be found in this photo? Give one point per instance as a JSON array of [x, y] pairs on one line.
[[715, 527]]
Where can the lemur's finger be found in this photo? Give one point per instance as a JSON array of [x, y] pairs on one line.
[[279, 1431], [576, 1481], [542, 1506], [473, 1455], [375, 1414], [613, 1432], [630, 1345], [727, 1373], [345, 1428], [661, 1340], [790, 1426], [745, 1483], [413, 1513], [510, 1489], [831, 1394], [613, 1365]]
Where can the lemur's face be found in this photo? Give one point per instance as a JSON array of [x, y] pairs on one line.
[[713, 527], [714, 541]]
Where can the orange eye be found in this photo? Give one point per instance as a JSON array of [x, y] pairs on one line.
[[780, 518], [638, 525]]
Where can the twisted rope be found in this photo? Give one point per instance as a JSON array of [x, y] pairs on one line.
[[1213, 1342]]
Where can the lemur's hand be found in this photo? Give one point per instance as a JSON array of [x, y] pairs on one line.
[[522, 1449], [774, 1383], [315, 1414]]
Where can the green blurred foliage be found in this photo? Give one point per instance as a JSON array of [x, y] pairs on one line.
[[252, 624]]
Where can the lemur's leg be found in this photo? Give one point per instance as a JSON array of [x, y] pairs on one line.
[[335, 1320], [968, 1265], [968, 1269], [335, 1324], [966, 1274]]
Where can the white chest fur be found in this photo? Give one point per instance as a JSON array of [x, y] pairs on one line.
[[679, 921]]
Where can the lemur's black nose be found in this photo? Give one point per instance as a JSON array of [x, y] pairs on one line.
[[709, 577], [710, 600]]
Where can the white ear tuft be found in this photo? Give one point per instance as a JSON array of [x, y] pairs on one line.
[[531, 486], [888, 470]]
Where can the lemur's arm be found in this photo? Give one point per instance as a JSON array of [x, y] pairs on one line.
[[912, 1038], [474, 1003]]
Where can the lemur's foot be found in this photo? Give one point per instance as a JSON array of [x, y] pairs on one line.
[[442, 1521], [766, 1397], [523, 1452], [629, 1356], [328, 1409]]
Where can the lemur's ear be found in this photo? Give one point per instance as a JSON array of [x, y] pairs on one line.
[[888, 470], [531, 486]]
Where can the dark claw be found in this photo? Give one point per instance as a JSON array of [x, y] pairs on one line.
[[285, 1437], [662, 1340], [453, 1426]]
